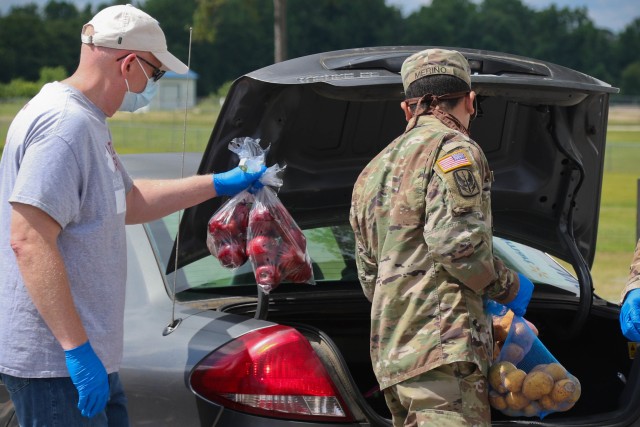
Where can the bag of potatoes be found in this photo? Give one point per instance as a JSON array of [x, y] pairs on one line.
[[525, 380]]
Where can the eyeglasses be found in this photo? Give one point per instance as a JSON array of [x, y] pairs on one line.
[[157, 72]]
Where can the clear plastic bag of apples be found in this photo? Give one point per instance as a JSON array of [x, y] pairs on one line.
[[255, 226]]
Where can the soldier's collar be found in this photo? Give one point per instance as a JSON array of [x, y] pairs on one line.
[[426, 105]]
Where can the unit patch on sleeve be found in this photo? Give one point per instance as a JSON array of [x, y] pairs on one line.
[[455, 160], [466, 183]]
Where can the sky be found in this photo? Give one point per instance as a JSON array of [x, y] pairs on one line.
[[613, 15]]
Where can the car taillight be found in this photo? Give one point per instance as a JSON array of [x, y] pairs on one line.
[[272, 372]]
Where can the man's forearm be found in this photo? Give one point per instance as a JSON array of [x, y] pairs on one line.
[[149, 200], [33, 240]]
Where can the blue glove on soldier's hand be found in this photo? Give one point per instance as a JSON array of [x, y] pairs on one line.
[[521, 301], [89, 377], [630, 316], [234, 181]]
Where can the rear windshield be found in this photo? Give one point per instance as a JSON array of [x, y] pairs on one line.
[[331, 249]]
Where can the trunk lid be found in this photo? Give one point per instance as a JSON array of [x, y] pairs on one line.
[[542, 127]]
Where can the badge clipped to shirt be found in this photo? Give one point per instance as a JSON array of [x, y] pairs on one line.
[[453, 161]]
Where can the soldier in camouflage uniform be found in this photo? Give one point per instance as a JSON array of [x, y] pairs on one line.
[[421, 215], [630, 312]]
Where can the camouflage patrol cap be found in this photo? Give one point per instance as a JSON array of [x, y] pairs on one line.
[[432, 62]]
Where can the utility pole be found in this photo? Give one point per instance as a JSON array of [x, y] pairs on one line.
[[280, 30]]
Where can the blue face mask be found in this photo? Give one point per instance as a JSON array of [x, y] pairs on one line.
[[133, 101]]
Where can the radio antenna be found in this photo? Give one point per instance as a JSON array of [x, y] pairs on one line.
[[173, 325]]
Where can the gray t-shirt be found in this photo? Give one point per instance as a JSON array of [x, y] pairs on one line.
[[59, 158]]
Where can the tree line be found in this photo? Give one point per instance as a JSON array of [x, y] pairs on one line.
[[233, 37]]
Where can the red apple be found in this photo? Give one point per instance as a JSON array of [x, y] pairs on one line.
[[232, 255], [214, 225], [291, 258], [261, 245], [303, 274], [261, 222], [260, 213], [241, 214], [263, 228], [232, 229], [267, 276]]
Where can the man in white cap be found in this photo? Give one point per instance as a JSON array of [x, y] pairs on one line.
[[65, 198]]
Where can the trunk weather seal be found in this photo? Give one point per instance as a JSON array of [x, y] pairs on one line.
[[565, 228]]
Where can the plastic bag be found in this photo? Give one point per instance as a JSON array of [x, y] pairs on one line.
[[276, 246], [501, 325], [250, 152], [526, 380], [227, 227], [227, 231]]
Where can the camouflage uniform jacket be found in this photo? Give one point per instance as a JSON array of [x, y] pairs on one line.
[[634, 273], [424, 252]]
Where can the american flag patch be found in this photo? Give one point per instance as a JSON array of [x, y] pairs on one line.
[[453, 161]]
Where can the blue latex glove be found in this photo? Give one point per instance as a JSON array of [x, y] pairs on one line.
[[89, 377], [495, 308], [521, 301], [257, 185], [630, 316], [234, 181]]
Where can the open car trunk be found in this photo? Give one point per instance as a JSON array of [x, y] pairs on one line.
[[541, 126], [337, 324], [543, 130]]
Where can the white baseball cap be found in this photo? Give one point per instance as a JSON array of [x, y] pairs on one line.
[[125, 27]]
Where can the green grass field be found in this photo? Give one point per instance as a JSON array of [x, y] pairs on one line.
[[165, 131], [158, 131]]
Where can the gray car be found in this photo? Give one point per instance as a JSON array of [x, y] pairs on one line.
[[203, 345]]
